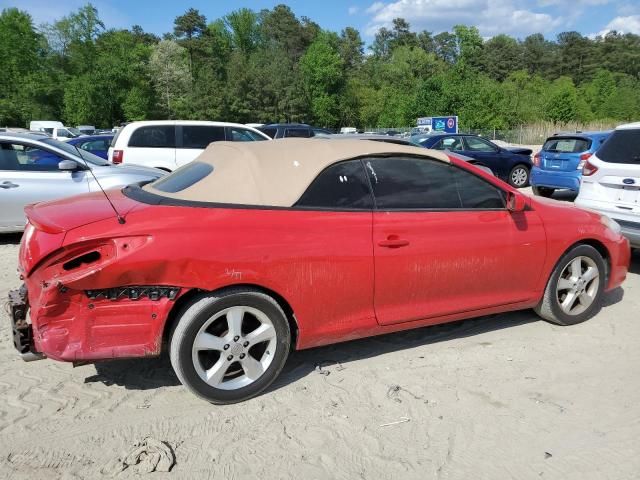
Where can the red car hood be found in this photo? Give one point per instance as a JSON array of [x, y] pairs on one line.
[[62, 215]]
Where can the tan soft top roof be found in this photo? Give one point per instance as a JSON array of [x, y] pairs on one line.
[[276, 173]]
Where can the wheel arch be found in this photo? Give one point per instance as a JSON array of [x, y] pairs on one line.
[[187, 298], [600, 247]]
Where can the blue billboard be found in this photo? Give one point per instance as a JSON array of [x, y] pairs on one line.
[[440, 124], [445, 124]]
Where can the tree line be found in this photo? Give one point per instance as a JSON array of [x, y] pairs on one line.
[[270, 66]]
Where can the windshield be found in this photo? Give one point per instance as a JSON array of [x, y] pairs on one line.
[[70, 149], [74, 131], [567, 144]]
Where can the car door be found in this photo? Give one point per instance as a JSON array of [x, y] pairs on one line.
[[193, 139], [332, 230], [452, 143], [444, 243], [152, 146], [30, 174], [487, 154]]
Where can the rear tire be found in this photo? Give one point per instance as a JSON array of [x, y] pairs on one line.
[[574, 290], [230, 346], [543, 191], [519, 176]]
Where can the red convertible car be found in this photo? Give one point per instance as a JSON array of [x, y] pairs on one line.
[[254, 249]]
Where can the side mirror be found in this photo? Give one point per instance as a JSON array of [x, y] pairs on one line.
[[67, 165], [516, 202]]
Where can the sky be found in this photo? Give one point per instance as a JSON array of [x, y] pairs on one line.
[[518, 18]]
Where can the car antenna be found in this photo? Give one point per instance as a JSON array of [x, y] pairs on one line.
[[120, 218]]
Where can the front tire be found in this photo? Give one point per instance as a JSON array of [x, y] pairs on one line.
[[574, 291], [228, 347], [519, 176]]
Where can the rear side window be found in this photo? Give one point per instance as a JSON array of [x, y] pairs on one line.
[[623, 146], [298, 132], [269, 131], [235, 134], [199, 136], [183, 178], [567, 145], [154, 136], [343, 185]]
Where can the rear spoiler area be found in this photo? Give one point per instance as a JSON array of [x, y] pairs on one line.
[[38, 220]]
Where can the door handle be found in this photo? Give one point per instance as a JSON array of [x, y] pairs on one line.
[[393, 241], [8, 184]]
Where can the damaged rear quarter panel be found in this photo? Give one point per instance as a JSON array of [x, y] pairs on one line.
[[300, 255]]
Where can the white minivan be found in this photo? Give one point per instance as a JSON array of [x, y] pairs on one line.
[[169, 144], [56, 129], [611, 181]]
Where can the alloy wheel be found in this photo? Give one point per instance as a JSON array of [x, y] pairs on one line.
[[519, 176], [578, 285], [234, 347]]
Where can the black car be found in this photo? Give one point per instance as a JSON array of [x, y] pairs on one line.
[[512, 165], [286, 130]]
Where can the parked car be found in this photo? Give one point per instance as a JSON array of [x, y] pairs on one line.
[[35, 169], [611, 180], [87, 129], [400, 141], [559, 164], [509, 164], [56, 129], [96, 144], [169, 144], [255, 249], [287, 130]]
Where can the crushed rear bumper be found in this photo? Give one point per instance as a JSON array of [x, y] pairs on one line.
[[20, 326]]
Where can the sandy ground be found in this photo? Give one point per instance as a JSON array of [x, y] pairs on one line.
[[503, 397]]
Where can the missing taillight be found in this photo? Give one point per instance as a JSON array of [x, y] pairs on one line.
[[81, 260]]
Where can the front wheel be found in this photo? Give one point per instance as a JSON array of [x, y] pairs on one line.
[[519, 176], [231, 346], [575, 288]]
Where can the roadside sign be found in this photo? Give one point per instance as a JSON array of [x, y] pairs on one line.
[[440, 124]]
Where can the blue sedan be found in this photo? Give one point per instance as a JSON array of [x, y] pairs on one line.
[[512, 165], [96, 144]]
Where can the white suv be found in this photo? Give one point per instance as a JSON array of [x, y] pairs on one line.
[[169, 144], [611, 181]]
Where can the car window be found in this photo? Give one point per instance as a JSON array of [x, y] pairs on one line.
[[453, 144], [412, 183], [475, 144], [477, 193], [623, 146], [200, 136], [343, 185], [24, 158], [154, 136], [567, 145], [64, 133], [77, 152], [235, 134], [93, 145], [298, 132], [269, 131], [183, 178]]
